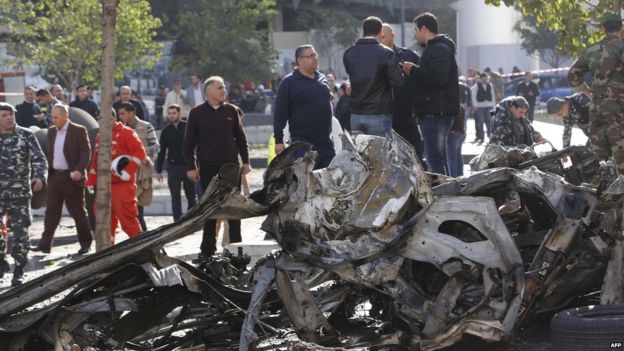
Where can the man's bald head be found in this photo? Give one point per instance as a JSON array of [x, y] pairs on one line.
[[125, 93], [387, 35]]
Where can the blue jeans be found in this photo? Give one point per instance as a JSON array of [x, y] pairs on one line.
[[380, 125], [325, 152], [482, 117], [176, 179], [453, 150], [435, 131]]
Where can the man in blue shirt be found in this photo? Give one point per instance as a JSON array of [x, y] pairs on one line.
[[304, 101]]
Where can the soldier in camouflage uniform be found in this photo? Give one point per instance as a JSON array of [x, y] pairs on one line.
[[605, 61], [510, 127], [22, 163], [574, 110]]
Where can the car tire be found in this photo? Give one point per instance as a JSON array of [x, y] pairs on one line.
[[599, 327]]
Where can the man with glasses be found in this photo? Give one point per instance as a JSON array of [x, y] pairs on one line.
[[304, 101]]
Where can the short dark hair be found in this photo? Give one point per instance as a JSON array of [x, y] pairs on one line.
[[300, 49], [43, 92], [612, 26], [428, 20], [483, 75], [371, 25], [128, 106], [81, 86], [174, 106], [5, 106]]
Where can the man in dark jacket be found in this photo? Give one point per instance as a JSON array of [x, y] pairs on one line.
[[436, 90], [28, 113], [373, 72], [304, 101], [403, 117], [83, 102], [530, 91]]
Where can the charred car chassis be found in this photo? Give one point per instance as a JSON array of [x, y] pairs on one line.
[[478, 255]]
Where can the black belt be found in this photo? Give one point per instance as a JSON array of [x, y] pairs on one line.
[[60, 170]]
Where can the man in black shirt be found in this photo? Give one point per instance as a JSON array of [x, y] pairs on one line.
[[28, 113], [46, 102], [214, 137], [84, 103], [125, 94], [530, 91], [171, 141], [304, 101], [404, 120]]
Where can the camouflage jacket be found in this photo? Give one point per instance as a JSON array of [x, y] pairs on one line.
[[579, 116], [605, 61], [21, 159], [506, 130]]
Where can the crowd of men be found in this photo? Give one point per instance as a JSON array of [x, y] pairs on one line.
[[424, 100], [421, 97], [66, 165]]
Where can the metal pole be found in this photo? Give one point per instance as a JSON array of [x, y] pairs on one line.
[[403, 23]]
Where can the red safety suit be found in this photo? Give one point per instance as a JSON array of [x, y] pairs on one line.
[[123, 193]]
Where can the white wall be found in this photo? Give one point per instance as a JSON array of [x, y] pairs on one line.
[[486, 38]]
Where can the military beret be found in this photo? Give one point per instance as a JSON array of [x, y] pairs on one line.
[[5, 106], [553, 105], [610, 17]]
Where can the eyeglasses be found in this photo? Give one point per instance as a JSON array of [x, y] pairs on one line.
[[313, 55]]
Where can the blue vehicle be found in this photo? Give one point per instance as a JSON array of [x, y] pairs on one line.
[[550, 84]]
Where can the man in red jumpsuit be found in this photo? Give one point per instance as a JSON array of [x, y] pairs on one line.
[[127, 154]]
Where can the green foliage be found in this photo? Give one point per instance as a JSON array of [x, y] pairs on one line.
[[577, 21], [229, 38], [63, 37], [540, 40]]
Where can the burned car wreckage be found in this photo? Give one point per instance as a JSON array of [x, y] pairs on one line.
[[376, 253]]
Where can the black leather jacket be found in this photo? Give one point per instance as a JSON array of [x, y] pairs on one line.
[[373, 71], [436, 89]]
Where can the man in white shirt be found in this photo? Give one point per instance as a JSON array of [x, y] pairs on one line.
[[195, 92], [68, 158], [178, 97], [483, 101]]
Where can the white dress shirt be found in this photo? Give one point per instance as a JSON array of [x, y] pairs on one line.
[[60, 163], [197, 94]]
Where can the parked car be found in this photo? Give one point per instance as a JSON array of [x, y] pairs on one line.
[[550, 84]]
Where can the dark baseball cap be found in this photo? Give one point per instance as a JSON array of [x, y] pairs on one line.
[[5, 106], [553, 105]]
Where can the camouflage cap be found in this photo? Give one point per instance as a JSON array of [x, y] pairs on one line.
[[610, 17], [5, 106], [519, 101], [553, 105]]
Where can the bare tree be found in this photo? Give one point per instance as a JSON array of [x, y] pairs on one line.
[[102, 202]]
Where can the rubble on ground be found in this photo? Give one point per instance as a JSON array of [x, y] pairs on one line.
[[373, 256]]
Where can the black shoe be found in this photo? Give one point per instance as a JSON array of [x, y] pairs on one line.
[[39, 248], [474, 141], [479, 142], [4, 267], [83, 250], [18, 276]]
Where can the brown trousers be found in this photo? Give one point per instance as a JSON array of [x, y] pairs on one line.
[[61, 188]]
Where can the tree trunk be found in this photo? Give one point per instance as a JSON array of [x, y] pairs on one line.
[[102, 201]]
